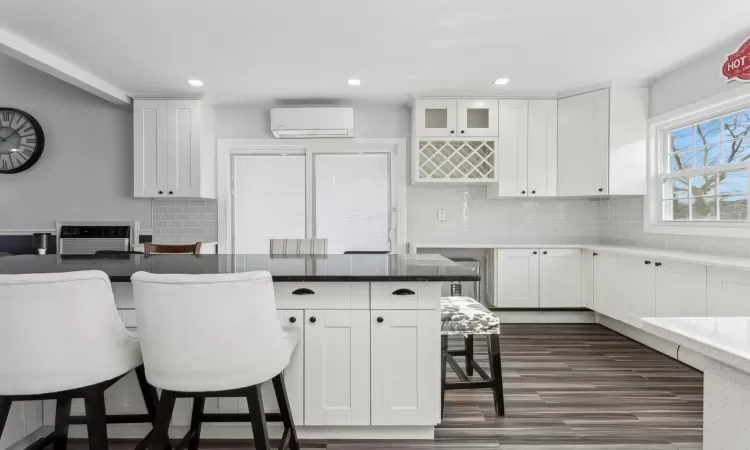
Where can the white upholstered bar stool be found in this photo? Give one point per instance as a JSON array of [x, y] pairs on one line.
[[61, 338], [214, 336]]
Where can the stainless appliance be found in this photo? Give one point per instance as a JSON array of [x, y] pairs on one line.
[[464, 288], [89, 239]]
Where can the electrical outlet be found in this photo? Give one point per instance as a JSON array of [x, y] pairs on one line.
[[441, 215]]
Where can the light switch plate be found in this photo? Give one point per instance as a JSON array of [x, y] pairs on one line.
[[441, 215]]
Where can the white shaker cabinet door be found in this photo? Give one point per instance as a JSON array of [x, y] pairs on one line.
[[337, 367], [150, 148], [542, 145], [583, 145], [728, 292], [476, 117], [680, 289], [560, 278], [517, 275], [606, 283], [637, 288], [183, 147], [405, 367], [512, 150]]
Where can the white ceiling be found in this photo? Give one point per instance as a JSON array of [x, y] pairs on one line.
[[261, 50]]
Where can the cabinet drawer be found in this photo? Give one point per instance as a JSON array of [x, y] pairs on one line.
[[322, 295], [405, 295]]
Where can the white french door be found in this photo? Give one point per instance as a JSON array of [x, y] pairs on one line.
[[269, 200], [352, 201]]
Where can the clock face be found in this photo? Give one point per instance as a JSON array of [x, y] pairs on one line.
[[21, 141]]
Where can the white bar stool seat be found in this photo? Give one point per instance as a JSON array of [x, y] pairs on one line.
[[61, 338], [214, 336]]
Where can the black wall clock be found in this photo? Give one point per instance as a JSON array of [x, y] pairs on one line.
[[21, 140]]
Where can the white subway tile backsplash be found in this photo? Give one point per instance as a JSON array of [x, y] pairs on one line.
[[184, 221]]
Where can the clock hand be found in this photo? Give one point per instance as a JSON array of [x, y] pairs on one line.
[[8, 136]]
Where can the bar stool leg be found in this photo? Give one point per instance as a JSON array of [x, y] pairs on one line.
[[443, 362], [96, 418], [160, 434], [4, 411], [196, 421], [62, 423], [286, 412], [469, 346], [258, 418], [493, 345]]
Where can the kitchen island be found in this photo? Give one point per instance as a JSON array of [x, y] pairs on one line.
[[368, 364]]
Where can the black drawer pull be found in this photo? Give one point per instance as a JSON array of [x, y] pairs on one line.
[[292, 319], [380, 320], [303, 291], [403, 291], [313, 319]]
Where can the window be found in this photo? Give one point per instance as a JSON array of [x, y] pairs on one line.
[[704, 169]]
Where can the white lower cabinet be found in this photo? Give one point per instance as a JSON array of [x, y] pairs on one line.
[[405, 367], [680, 289], [560, 278], [517, 278], [337, 367], [728, 292], [605, 283], [637, 289]]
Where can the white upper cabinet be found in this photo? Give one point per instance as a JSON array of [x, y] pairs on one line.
[[435, 117], [527, 149], [174, 149], [602, 143], [542, 154], [476, 118]]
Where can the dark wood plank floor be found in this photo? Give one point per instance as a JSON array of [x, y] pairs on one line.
[[567, 386]]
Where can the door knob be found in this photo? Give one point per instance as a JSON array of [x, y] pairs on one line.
[[380, 320], [533, 192], [313, 319], [161, 192], [170, 192], [544, 253], [462, 131], [601, 190], [523, 192], [535, 253], [453, 132], [292, 319]]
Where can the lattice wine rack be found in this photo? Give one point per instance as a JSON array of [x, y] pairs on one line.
[[456, 160]]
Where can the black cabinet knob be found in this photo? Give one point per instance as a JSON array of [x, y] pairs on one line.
[[170, 192], [462, 132], [161, 192], [380, 320], [523, 192], [313, 319], [533, 192], [453, 132], [647, 262], [535, 253], [601, 190], [657, 264], [292, 319], [595, 253], [544, 253]]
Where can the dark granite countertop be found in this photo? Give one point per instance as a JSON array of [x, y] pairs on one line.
[[320, 268]]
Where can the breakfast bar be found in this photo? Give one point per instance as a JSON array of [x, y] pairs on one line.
[[368, 364]]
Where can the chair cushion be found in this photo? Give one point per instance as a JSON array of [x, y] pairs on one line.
[[464, 315]]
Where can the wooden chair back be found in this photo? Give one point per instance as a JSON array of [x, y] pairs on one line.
[[194, 249]]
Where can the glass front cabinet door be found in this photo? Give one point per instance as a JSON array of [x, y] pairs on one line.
[[435, 117], [476, 118]]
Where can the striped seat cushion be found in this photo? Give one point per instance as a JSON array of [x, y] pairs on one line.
[[298, 247], [464, 315]]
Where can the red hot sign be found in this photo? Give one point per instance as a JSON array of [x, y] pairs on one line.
[[737, 65]]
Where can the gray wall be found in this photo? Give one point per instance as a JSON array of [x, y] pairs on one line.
[[697, 80], [86, 170]]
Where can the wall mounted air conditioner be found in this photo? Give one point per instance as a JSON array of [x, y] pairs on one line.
[[328, 122]]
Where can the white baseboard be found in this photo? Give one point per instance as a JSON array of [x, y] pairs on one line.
[[542, 316], [244, 431], [682, 354]]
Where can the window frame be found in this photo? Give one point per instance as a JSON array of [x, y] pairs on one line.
[[659, 147]]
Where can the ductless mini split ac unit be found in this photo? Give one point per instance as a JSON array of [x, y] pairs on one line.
[[328, 122]]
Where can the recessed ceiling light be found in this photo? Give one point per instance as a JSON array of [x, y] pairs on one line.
[[195, 83], [353, 81], [14, 149], [502, 81]]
